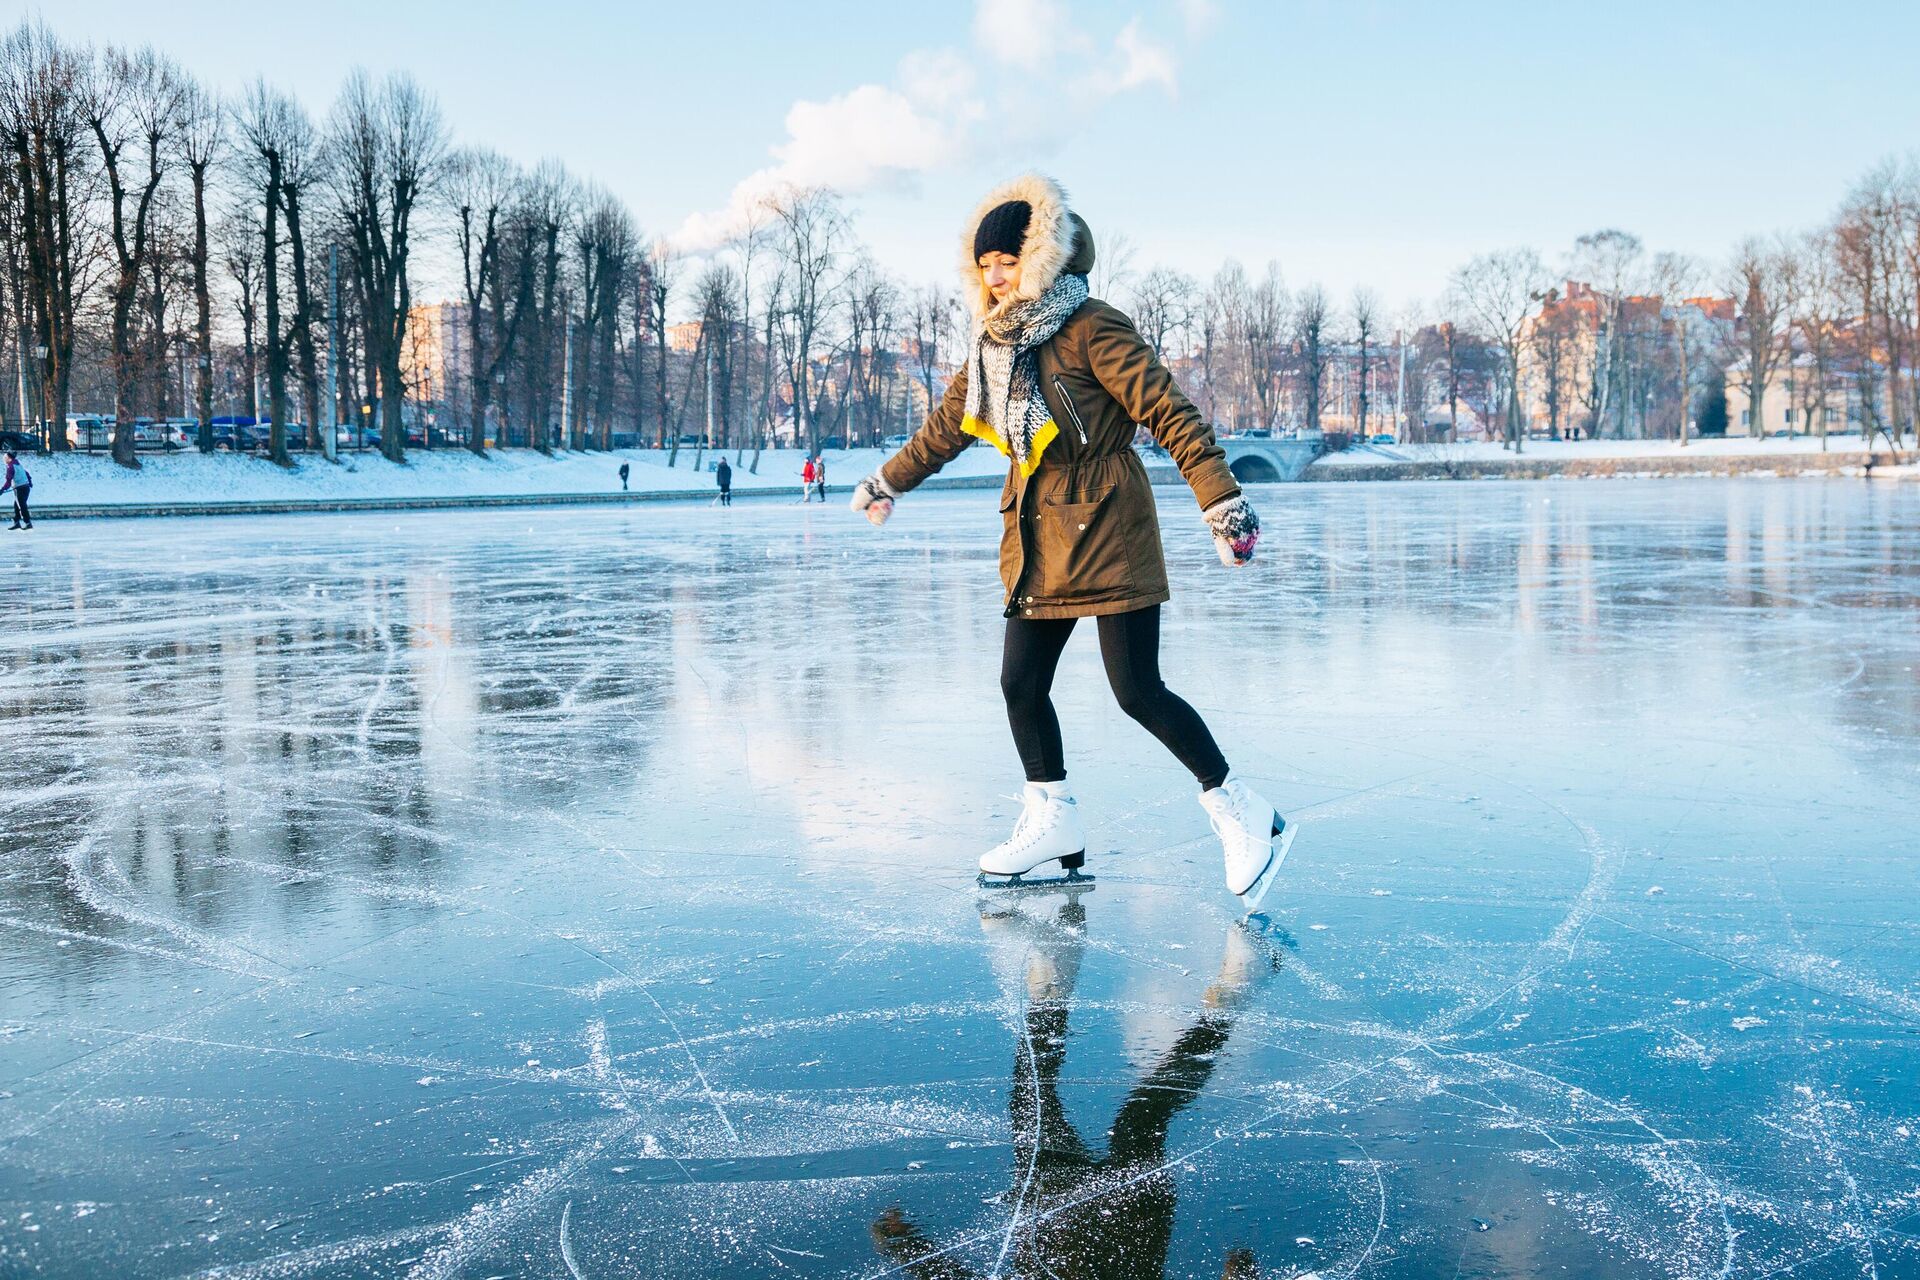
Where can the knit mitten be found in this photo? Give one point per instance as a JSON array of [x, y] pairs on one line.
[[1235, 529], [875, 497]]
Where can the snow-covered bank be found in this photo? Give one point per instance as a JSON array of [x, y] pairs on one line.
[[1476, 451], [83, 480], [193, 483]]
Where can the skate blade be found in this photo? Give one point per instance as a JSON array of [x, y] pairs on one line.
[[1071, 880], [1256, 891]]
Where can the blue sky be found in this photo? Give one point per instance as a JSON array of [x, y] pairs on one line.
[[1376, 143]]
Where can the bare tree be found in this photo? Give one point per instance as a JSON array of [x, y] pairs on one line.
[[1113, 268], [203, 135], [1552, 340], [486, 190], [1811, 282], [930, 321], [604, 247], [240, 242], [1366, 322], [662, 273], [1311, 315], [1163, 304], [388, 146], [1610, 261], [279, 140], [547, 210], [1877, 224], [873, 303], [41, 119], [718, 296], [809, 231], [1498, 291], [1228, 305], [748, 241], [132, 104], [1756, 278], [1674, 277], [1262, 330]]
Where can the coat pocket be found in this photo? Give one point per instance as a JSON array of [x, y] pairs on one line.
[[1083, 545]]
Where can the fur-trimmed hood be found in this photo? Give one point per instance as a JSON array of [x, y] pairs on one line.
[[1057, 242]]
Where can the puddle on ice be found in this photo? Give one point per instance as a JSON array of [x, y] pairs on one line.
[[597, 900]]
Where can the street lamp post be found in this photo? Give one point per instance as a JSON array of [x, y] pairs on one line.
[[39, 389]]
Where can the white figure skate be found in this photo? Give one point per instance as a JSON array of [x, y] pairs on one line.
[[1049, 830], [1254, 839]]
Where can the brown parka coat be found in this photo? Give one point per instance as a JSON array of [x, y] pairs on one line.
[[1079, 535]]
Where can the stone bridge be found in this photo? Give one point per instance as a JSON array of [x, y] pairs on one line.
[[1252, 461], [1256, 461]]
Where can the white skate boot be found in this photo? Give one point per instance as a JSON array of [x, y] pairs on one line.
[[1049, 830], [1254, 839]]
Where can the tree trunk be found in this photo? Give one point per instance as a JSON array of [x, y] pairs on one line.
[[276, 340], [203, 315]]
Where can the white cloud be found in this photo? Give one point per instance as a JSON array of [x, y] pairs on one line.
[[1030, 34], [852, 142], [939, 79], [1199, 16], [1143, 62], [937, 109]]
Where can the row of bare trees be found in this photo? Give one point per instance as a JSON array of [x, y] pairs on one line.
[[129, 187], [164, 251]]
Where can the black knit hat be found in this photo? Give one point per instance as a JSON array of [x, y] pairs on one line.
[[1003, 230]]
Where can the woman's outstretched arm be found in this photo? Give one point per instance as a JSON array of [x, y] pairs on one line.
[[938, 441]]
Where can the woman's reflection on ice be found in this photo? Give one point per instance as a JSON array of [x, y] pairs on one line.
[[1078, 1214]]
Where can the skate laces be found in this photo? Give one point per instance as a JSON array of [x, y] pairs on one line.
[[1232, 811], [1025, 828]]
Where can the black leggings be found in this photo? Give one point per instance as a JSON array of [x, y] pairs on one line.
[[1130, 648]]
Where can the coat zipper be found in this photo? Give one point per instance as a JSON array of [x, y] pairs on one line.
[[1072, 412]]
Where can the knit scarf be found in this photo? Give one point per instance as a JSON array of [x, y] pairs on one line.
[[1004, 406]]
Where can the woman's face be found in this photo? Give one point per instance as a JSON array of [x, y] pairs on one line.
[[1000, 272]]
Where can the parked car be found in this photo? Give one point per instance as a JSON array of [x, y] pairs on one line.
[[166, 434], [20, 442], [1383, 437], [895, 442], [89, 431]]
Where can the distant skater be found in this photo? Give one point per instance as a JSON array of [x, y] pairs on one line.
[[723, 476], [623, 477], [806, 479], [1056, 380], [21, 483], [820, 476]]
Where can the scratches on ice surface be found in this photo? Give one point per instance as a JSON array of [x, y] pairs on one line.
[[611, 847], [99, 883], [566, 1242], [485, 1226]]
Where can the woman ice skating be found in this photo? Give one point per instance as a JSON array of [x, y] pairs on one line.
[[20, 481], [806, 479], [1056, 381]]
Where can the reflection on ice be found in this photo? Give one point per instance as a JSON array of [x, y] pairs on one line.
[[590, 893]]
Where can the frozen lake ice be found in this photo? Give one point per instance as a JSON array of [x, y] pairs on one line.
[[589, 894]]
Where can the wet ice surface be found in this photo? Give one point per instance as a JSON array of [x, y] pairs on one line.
[[583, 894]]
